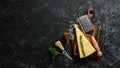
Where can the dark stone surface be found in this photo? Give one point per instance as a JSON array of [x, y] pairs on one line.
[[29, 27]]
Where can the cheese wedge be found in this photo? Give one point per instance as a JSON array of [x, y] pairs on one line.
[[88, 48]]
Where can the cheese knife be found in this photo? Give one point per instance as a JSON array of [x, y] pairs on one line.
[[59, 45]]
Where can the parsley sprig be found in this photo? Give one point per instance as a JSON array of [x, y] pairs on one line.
[[53, 51], [82, 46]]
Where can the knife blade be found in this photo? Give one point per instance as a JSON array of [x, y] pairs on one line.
[[66, 54], [67, 45], [59, 45]]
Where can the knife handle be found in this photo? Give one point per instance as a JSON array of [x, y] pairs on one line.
[[95, 44], [59, 45], [67, 37]]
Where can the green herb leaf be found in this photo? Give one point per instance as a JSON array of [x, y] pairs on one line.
[[82, 46], [98, 33], [53, 51]]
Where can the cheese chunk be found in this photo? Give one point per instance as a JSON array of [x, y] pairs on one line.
[[88, 48]]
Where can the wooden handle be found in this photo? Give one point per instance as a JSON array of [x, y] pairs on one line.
[[95, 44], [67, 37], [59, 44]]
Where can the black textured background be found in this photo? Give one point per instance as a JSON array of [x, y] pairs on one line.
[[29, 27]]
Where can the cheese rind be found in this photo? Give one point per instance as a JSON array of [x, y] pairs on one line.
[[88, 48]]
